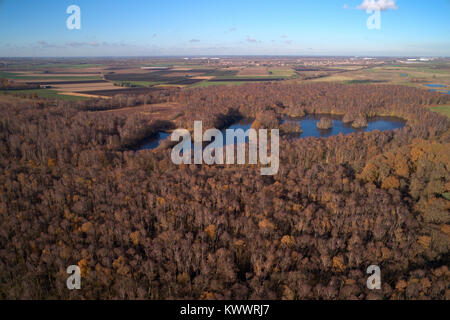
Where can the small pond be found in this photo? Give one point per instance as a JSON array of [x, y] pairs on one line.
[[154, 142]]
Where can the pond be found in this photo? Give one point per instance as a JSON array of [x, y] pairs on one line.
[[308, 125], [435, 85], [153, 142], [243, 124]]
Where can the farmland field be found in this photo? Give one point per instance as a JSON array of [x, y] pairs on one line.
[[410, 75], [282, 72], [445, 110], [126, 91], [253, 71], [219, 83], [42, 77], [43, 93], [133, 78]]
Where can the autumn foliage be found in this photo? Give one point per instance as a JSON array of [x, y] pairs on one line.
[[73, 192]]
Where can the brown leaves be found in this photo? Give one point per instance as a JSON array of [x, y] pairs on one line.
[[211, 231], [338, 264], [135, 237], [424, 241], [287, 240], [87, 227], [83, 264], [445, 228], [120, 264], [370, 173], [266, 224], [183, 278], [390, 182]]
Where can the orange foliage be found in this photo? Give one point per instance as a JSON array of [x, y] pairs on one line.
[[211, 231], [84, 267], [338, 264], [390, 182]]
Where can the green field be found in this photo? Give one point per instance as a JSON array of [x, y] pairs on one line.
[[445, 110], [282, 72], [14, 76], [43, 93], [57, 65]]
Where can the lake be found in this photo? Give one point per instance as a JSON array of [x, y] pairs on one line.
[[435, 85], [308, 125]]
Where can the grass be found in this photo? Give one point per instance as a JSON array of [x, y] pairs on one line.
[[13, 76], [282, 72], [44, 93], [362, 81], [58, 65], [445, 110]]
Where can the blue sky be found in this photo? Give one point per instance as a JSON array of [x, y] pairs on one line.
[[231, 27]]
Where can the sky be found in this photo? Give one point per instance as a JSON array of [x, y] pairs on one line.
[[224, 27]]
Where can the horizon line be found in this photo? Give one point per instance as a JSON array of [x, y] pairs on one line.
[[206, 56]]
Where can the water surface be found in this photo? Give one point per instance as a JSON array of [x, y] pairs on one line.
[[308, 125], [154, 142]]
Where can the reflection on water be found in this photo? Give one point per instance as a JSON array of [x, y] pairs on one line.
[[243, 124], [309, 126], [154, 142]]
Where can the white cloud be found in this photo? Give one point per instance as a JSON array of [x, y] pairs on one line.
[[381, 5]]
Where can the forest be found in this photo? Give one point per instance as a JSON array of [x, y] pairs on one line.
[[73, 192]]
